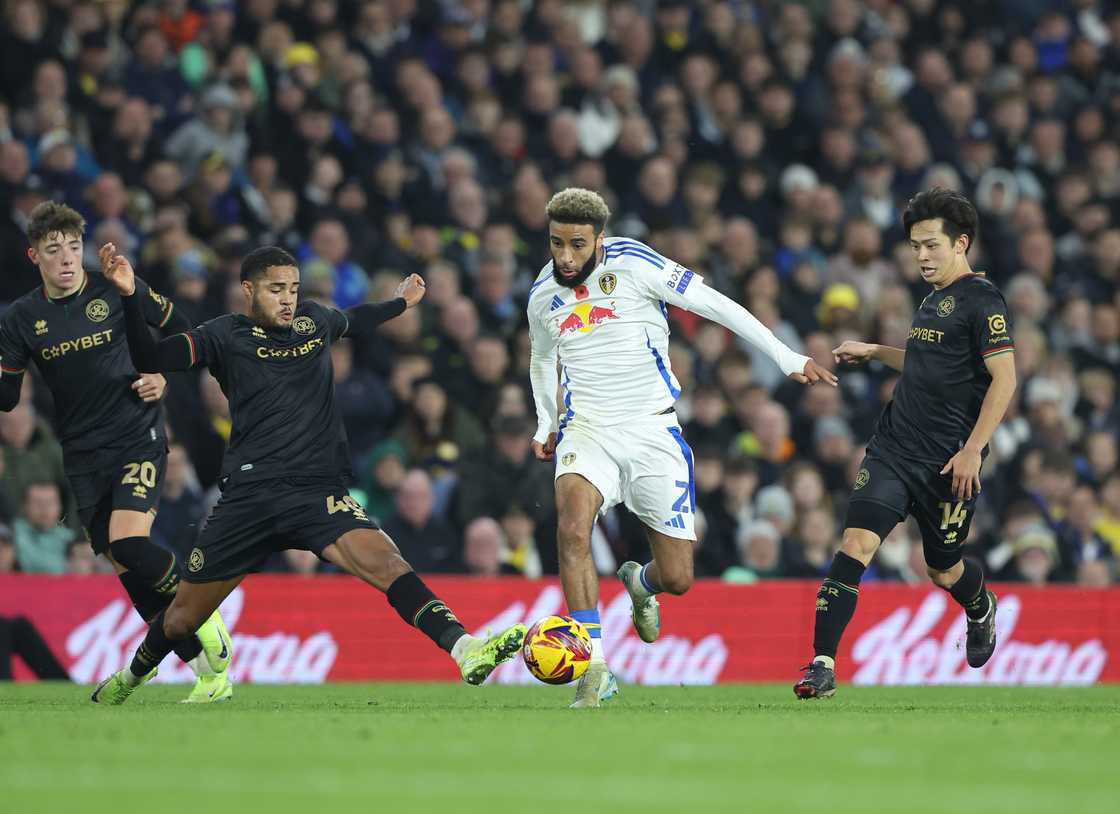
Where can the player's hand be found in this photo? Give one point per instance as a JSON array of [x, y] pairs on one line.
[[150, 387], [964, 467], [545, 451], [412, 288], [117, 270], [855, 353], [814, 373]]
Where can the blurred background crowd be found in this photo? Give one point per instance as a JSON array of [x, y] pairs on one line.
[[769, 146]]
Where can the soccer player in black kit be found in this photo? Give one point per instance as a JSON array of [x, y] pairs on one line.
[[109, 423], [285, 472], [958, 377]]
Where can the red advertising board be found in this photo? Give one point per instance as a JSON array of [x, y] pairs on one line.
[[332, 628]]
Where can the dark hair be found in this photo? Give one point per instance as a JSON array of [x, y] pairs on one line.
[[258, 261], [957, 214], [49, 217]]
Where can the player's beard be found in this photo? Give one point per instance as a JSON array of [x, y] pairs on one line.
[[584, 273]]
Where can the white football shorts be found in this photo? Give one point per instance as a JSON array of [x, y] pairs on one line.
[[645, 463]]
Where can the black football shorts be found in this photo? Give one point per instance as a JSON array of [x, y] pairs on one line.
[[887, 489], [131, 481], [254, 519]]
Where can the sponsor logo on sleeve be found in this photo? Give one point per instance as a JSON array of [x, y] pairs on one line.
[[680, 278]]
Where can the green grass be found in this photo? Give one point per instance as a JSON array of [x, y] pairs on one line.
[[451, 748]]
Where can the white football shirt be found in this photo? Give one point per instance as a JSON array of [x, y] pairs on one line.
[[611, 337]]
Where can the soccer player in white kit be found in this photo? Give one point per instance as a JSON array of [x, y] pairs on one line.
[[599, 309]]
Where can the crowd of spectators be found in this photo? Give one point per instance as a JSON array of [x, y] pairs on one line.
[[769, 146]]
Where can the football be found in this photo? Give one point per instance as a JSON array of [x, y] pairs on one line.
[[557, 649]]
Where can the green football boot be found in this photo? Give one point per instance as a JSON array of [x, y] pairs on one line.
[[210, 689], [115, 689], [216, 642], [483, 654]]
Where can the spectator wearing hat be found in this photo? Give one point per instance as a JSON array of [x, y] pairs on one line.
[[57, 166], [1035, 555], [1047, 414], [839, 309], [760, 551], [774, 504], [217, 130]]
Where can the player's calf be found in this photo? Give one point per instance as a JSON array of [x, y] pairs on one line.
[[835, 606], [965, 583], [371, 556]]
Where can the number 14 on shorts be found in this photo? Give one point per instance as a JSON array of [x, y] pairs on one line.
[[952, 514]]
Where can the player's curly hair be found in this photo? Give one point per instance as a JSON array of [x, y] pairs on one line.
[[50, 218], [258, 261], [957, 213], [576, 205]]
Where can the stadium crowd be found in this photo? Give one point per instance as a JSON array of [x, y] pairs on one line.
[[769, 146]]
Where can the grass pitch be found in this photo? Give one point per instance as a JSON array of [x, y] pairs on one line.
[[451, 748]]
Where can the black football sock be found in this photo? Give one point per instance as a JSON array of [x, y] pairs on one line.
[[836, 602], [970, 591], [151, 581], [419, 607], [156, 646]]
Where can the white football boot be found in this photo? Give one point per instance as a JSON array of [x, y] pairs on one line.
[[596, 685], [644, 607]]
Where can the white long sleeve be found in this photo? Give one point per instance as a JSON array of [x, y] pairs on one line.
[[710, 304], [542, 377], [610, 336]]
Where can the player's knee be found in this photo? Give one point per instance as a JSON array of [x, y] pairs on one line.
[[181, 622], [943, 579], [573, 534], [859, 544]]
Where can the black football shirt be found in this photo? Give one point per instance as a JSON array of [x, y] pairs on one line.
[[280, 386], [79, 346], [944, 378]]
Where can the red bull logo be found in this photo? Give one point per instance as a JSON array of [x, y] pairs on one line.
[[584, 317]]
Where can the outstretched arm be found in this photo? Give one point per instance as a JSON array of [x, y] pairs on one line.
[[173, 353], [363, 320], [855, 353], [710, 304], [10, 386]]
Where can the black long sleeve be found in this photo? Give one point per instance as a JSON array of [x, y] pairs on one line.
[[10, 387], [148, 355], [177, 323], [365, 318]]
